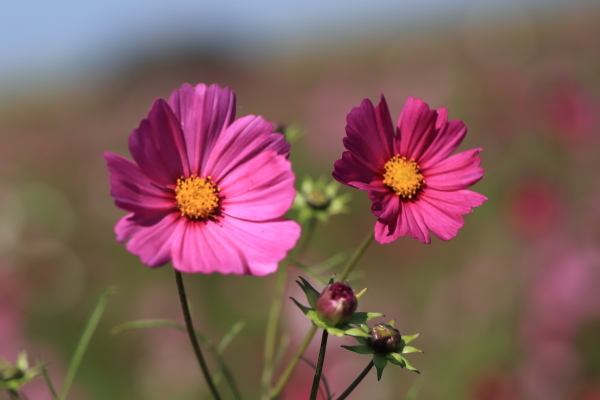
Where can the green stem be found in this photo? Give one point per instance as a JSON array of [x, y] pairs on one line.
[[358, 379], [356, 256], [319, 369], [277, 303], [192, 335], [313, 329], [292, 364]]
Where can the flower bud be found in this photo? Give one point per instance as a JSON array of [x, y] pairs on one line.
[[385, 339], [337, 303]]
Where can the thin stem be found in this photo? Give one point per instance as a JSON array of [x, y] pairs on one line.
[[356, 256], [277, 303], [319, 369], [358, 379], [313, 329], [292, 364], [191, 333]]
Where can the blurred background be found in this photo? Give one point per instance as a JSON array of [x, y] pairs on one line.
[[509, 309]]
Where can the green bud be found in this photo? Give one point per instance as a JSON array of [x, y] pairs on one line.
[[385, 339]]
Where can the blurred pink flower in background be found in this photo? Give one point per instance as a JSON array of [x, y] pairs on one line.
[[563, 297], [206, 191], [536, 209], [570, 112], [414, 183]]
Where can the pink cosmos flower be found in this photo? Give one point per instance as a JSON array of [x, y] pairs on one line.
[[206, 191], [414, 183]]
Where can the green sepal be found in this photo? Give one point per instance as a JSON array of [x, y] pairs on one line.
[[410, 349], [362, 340], [360, 293], [331, 280], [304, 309], [365, 328], [334, 331], [409, 338], [356, 332], [359, 318], [380, 363], [311, 293], [392, 323], [13, 376], [396, 359], [408, 366], [359, 349]]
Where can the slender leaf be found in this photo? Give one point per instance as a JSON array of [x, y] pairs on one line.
[[233, 331], [165, 323], [42, 366], [84, 341]]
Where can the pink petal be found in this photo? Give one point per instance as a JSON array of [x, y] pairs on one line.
[[449, 136], [150, 239], [200, 246], [262, 188], [416, 128], [456, 172], [351, 171], [204, 113], [443, 225], [241, 141], [264, 243], [234, 246], [369, 133], [133, 191], [458, 202], [158, 146]]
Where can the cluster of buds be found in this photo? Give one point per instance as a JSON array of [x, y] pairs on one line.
[[334, 310]]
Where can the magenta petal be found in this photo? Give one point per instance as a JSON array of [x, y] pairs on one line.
[[449, 136], [241, 141], [152, 243], [369, 133], [456, 172], [458, 202], [204, 113], [158, 146], [443, 225], [133, 191], [264, 243], [260, 189], [416, 127], [202, 247], [351, 171]]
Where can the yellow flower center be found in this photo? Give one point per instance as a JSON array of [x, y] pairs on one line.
[[403, 176], [197, 198]]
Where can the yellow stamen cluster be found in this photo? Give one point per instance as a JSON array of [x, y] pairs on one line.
[[403, 176], [197, 198]]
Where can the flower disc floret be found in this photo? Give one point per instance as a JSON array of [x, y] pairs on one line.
[[197, 198], [403, 176]]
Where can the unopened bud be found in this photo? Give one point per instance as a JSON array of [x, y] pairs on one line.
[[385, 339], [337, 303]]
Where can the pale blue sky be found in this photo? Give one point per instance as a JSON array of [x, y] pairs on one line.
[[41, 39]]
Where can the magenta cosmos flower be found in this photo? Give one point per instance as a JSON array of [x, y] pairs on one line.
[[206, 191], [414, 183]]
